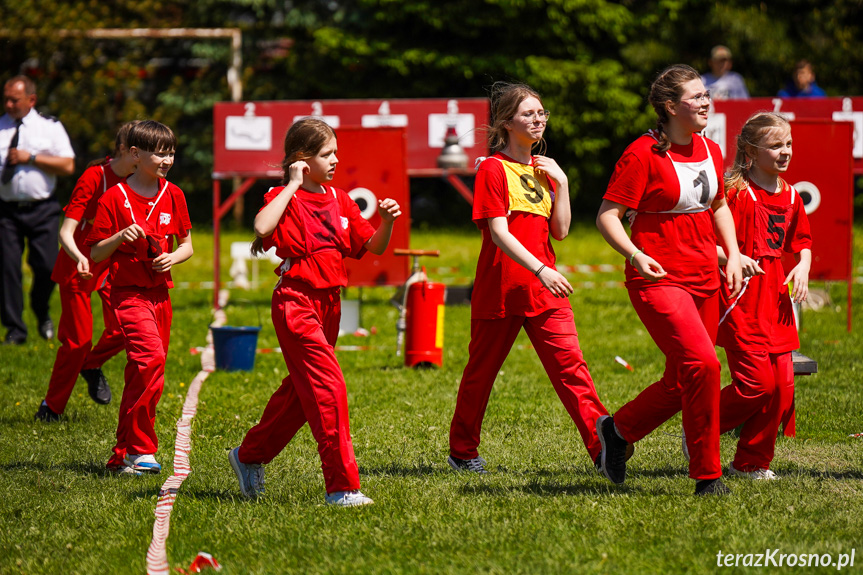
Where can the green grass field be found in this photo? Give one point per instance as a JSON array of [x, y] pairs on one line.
[[542, 509]]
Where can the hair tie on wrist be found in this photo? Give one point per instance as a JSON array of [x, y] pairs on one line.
[[635, 253], [539, 269]]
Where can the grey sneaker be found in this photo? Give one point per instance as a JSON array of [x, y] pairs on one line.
[[348, 499], [475, 465], [250, 475]]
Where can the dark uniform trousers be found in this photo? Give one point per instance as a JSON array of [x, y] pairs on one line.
[[38, 222]]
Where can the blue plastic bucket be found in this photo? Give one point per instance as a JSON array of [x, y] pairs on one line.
[[235, 347]]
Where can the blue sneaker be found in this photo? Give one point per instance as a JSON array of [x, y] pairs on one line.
[[348, 499], [145, 463]]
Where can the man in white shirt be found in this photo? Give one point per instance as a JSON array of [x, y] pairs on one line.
[[721, 81], [34, 150]]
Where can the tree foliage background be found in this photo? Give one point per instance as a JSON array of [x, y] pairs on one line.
[[592, 60]]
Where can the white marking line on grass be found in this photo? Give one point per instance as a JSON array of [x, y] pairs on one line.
[[157, 553]]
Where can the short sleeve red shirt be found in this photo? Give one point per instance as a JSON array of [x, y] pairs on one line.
[[767, 226], [525, 197], [162, 217], [315, 234], [94, 182], [669, 194]]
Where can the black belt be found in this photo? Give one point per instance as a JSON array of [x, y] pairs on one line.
[[25, 205]]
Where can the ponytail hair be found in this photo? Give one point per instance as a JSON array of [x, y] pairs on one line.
[[668, 86], [304, 140], [749, 139], [504, 100], [121, 142]]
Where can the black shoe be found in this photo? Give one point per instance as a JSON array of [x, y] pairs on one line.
[[46, 329], [613, 456], [97, 385], [45, 414], [711, 487], [12, 339]]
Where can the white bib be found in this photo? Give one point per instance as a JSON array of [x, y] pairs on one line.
[[698, 184]]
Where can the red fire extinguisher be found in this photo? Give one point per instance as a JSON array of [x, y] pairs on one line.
[[422, 315]]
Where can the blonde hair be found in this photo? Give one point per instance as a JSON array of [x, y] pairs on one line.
[[304, 140], [504, 100], [751, 136], [668, 86]]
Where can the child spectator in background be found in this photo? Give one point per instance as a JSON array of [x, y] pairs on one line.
[[802, 83], [757, 329], [313, 226], [77, 277], [135, 226]]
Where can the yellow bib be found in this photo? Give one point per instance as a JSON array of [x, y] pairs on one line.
[[528, 190]]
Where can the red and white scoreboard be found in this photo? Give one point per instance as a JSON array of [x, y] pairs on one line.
[[249, 135]]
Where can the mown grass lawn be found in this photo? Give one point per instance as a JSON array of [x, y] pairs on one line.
[[542, 509]]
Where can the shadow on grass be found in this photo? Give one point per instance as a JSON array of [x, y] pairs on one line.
[[417, 470], [90, 468], [549, 489]]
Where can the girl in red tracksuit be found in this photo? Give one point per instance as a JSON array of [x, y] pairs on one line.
[[669, 182], [757, 329], [77, 277], [521, 201], [313, 226], [135, 226]]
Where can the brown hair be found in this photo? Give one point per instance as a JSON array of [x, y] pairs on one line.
[[668, 86], [504, 100], [304, 140], [121, 141], [750, 136], [151, 136]]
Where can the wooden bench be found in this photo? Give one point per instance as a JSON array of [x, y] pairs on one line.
[[802, 366]]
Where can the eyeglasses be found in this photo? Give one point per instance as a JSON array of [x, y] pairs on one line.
[[541, 115], [705, 97]]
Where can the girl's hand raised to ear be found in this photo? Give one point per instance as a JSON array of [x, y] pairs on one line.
[[296, 171], [388, 209]]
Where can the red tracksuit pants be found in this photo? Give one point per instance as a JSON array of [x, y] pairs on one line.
[[762, 387], [145, 320], [555, 339], [307, 326], [684, 328], [75, 333]]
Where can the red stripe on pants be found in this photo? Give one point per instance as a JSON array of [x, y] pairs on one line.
[[760, 380], [307, 326], [145, 319], [555, 339], [684, 328], [75, 333]]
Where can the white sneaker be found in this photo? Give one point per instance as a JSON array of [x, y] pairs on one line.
[[684, 447], [348, 499], [144, 462], [759, 474], [250, 475]]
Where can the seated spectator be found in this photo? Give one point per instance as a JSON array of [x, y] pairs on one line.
[[721, 81], [802, 83]]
